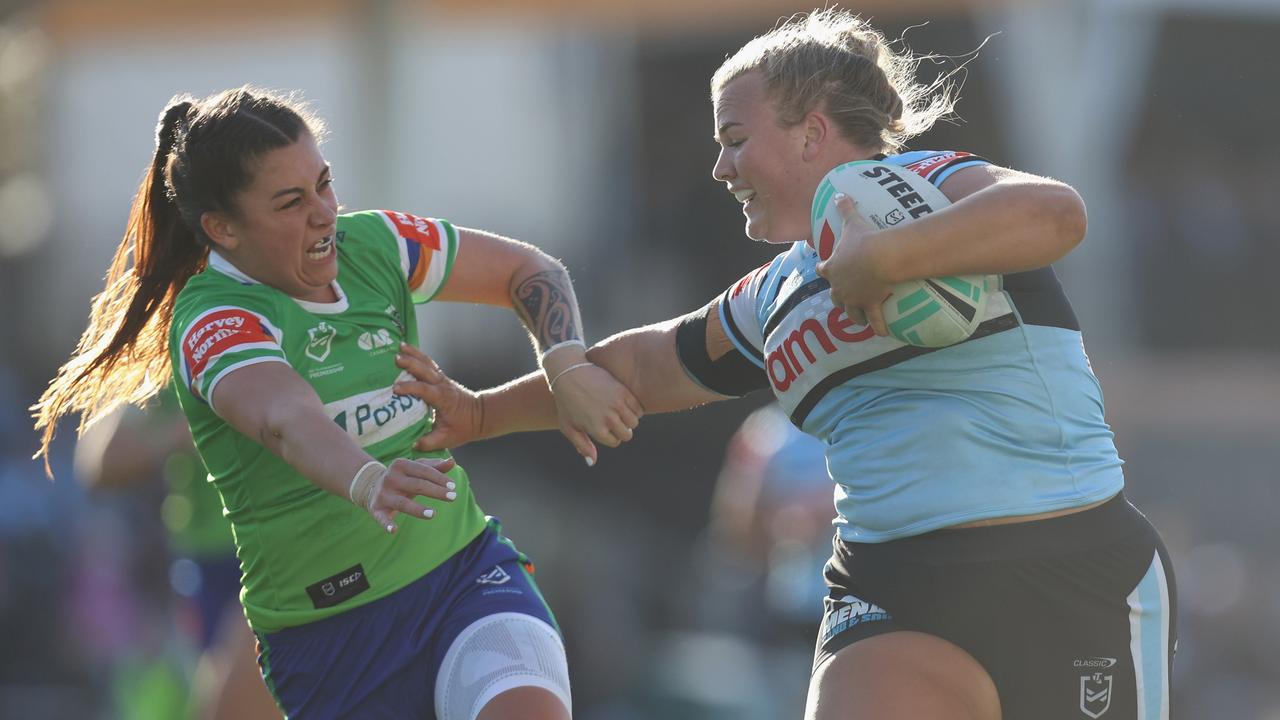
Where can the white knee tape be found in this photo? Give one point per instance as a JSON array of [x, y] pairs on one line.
[[495, 654]]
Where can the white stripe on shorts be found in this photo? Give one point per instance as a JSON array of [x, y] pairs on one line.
[[1149, 620]]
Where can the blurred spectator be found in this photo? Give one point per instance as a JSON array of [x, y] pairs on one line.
[[756, 578], [150, 453]]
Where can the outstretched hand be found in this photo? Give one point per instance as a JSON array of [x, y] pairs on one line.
[[459, 414], [856, 284], [384, 492], [589, 403]]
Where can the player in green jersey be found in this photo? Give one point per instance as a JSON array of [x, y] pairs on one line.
[[283, 320]]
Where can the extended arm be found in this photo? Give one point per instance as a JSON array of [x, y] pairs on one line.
[[587, 402], [644, 359], [271, 404]]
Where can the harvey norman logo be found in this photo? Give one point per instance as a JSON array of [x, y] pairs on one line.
[[376, 415]]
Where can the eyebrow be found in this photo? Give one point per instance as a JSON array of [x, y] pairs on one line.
[[299, 190], [725, 127]]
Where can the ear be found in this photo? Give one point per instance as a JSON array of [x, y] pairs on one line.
[[220, 230], [817, 134]]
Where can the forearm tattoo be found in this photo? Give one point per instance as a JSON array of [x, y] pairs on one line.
[[545, 304]]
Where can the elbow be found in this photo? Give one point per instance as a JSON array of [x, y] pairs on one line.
[[1068, 218]]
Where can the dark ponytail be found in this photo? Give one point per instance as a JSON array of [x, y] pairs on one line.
[[202, 159]]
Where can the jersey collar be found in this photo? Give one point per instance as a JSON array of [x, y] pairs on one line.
[[224, 266]]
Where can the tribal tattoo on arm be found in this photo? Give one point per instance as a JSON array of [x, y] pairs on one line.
[[546, 304]]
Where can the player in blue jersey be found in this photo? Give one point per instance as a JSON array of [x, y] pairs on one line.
[[376, 586], [985, 563]]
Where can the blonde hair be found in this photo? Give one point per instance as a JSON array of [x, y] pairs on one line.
[[204, 157], [834, 61]]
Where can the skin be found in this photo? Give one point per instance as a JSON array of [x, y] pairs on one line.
[[288, 209], [1000, 221]]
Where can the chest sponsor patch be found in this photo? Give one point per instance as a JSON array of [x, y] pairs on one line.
[[376, 415]]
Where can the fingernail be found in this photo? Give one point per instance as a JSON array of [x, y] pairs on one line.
[[404, 345], [451, 496], [391, 528], [399, 357], [840, 196], [450, 485], [590, 462], [428, 512]]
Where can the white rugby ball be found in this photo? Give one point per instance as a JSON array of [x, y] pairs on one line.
[[934, 312]]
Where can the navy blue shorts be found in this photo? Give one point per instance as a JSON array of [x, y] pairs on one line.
[[380, 660], [1072, 617]]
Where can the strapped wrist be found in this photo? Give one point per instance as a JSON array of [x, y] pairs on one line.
[[364, 484]]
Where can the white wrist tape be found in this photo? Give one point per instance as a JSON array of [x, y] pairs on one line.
[[545, 353], [364, 486]]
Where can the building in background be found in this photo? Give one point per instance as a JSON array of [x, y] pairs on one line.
[[585, 127]]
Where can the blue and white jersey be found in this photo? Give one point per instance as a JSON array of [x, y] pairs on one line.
[[1008, 422]]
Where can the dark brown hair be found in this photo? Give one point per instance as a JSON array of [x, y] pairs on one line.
[[205, 153]]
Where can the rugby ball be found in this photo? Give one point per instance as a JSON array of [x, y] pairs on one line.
[[934, 312]]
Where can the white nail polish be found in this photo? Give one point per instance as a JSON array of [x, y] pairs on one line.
[[451, 485], [428, 512], [590, 462], [451, 496], [391, 528]]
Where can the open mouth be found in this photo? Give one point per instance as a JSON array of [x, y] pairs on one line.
[[322, 249]]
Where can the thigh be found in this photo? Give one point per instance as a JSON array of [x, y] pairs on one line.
[[1072, 618], [500, 637], [1085, 634], [901, 675]]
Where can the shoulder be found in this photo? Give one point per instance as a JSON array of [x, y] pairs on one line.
[[936, 165], [431, 232], [213, 288]]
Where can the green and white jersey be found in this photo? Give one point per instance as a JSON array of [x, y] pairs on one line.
[[307, 554]]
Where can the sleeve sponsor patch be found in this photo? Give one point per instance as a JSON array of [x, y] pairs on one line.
[[936, 168], [220, 331], [415, 229], [427, 247]]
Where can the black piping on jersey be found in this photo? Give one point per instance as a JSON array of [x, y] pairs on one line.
[[1038, 297], [964, 308], [732, 326], [802, 293], [880, 362], [959, 160]]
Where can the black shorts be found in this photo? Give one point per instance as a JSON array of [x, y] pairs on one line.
[[1073, 617]]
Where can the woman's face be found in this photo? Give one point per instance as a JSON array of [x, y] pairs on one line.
[[762, 163], [283, 232]]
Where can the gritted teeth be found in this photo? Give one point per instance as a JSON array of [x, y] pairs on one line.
[[321, 249]]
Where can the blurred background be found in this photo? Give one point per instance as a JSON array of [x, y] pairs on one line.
[[684, 567]]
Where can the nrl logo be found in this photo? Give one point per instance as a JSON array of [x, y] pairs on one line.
[[1095, 694], [319, 341]]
